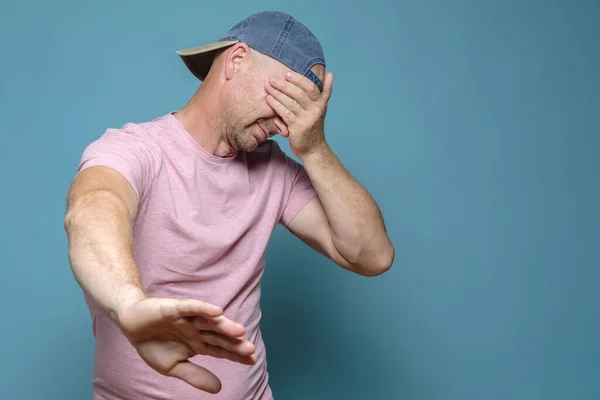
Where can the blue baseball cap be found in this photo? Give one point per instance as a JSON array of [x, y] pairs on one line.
[[273, 33]]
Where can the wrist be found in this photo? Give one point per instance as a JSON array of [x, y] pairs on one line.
[[126, 296], [317, 154]]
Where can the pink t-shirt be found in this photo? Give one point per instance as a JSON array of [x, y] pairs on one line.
[[202, 228]]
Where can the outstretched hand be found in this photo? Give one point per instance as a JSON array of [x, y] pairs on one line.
[[167, 332]]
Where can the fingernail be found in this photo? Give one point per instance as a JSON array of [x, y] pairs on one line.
[[274, 81], [289, 75]]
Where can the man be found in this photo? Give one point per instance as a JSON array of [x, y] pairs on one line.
[[168, 220]]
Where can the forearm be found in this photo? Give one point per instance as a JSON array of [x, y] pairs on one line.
[[100, 252], [357, 225]]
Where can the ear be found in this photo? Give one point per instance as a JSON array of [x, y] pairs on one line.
[[319, 71], [237, 57]]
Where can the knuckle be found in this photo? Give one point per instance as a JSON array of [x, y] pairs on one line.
[[319, 112]]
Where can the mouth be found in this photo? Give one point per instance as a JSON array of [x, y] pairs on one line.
[[265, 136]]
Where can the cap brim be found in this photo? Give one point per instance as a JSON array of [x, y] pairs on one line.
[[199, 59]]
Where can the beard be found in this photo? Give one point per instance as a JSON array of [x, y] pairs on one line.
[[240, 137], [238, 131]]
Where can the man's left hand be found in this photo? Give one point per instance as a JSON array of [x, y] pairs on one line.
[[302, 107]]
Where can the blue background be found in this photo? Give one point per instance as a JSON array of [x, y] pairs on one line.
[[475, 125]]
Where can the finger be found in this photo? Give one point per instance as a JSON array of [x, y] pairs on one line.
[[305, 84], [239, 346], [191, 307], [327, 86], [196, 376], [185, 328], [203, 348], [221, 325], [219, 352], [283, 129], [293, 91], [286, 115], [174, 309], [286, 100]]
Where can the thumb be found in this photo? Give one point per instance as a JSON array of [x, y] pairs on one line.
[[196, 376]]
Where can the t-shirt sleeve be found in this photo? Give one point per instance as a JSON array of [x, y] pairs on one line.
[[300, 193], [130, 152]]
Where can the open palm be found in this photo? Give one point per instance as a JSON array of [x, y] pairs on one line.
[[167, 332]]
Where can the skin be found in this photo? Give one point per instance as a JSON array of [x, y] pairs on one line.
[[246, 98]]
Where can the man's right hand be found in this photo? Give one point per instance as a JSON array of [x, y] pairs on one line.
[[167, 332]]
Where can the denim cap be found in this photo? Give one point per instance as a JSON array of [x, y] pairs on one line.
[[273, 33]]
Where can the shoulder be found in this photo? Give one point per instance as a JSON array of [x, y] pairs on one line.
[[143, 132], [130, 143], [133, 135]]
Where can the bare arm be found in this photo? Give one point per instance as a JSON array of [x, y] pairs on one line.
[[343, 222], [101, 207]]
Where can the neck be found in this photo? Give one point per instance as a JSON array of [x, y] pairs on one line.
[[201, 119]]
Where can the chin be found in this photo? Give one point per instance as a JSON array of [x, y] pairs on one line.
[[246, 143]]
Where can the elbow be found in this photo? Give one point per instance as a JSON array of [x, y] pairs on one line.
[[74, 215], [376, 264], [75, 205], [69, 219], [387, 258]]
